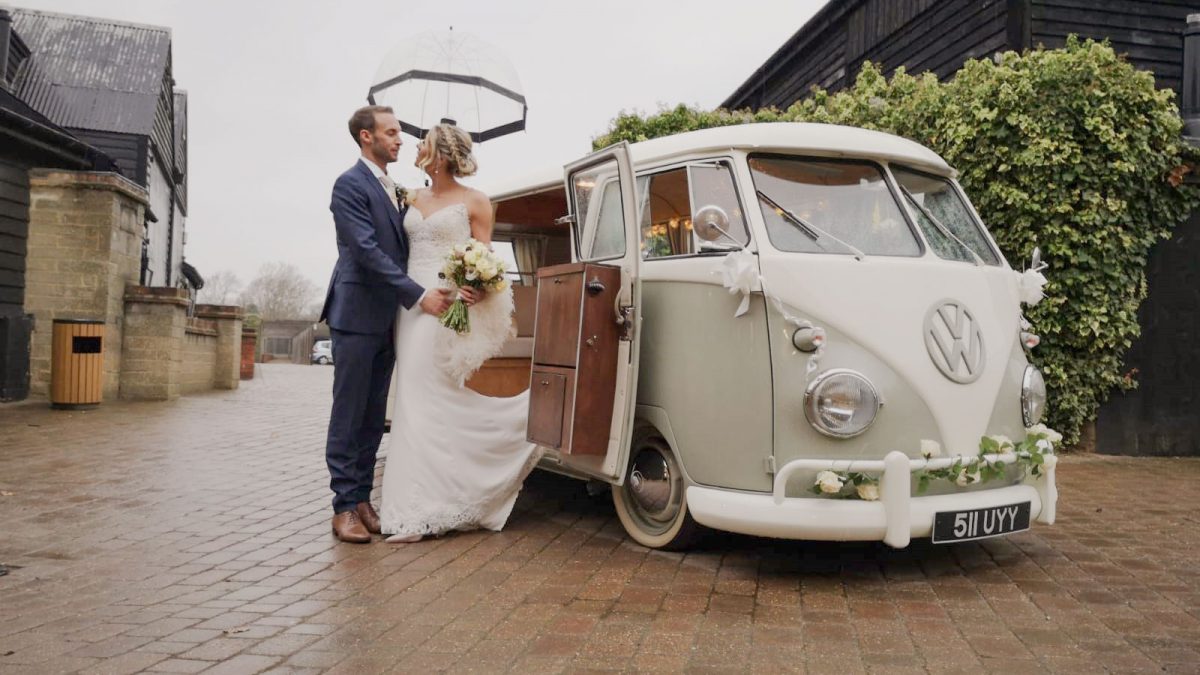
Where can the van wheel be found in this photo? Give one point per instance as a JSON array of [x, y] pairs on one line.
[[322, 360], [652, 502]]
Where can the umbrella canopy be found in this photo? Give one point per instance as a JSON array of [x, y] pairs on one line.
[[453, 76]]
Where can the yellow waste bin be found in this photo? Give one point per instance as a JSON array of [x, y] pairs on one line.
[[76, 363]]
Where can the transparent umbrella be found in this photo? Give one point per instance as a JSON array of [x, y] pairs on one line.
[[453, 76]]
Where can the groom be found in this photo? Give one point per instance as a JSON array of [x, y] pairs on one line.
[[369, 284]]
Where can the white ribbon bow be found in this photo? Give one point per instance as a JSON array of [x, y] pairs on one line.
[[739, 272], [1030, 285]]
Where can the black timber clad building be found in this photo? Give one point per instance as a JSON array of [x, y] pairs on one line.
[[940, 35], [1160, 417], [84, 93], [28, 139], [110, 83]]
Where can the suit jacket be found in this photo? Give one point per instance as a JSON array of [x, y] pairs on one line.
[[370, 280]]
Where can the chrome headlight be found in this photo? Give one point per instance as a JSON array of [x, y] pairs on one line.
[[1033, 396], [841, 403]]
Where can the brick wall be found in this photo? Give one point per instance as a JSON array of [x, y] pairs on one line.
[[199, 358], [227, 322], [85, 238], [152, 351], [84, 247]]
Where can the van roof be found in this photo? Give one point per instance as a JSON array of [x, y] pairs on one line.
[[829, 140]]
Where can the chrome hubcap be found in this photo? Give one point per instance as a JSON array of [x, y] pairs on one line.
[[654, 487]]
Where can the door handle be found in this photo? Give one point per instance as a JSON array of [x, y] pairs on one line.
[[595, 286]]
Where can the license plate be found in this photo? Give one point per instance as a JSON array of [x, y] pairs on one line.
[[951, 526]]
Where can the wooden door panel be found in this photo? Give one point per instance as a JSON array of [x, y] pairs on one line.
[[556, 337], [547, 407]]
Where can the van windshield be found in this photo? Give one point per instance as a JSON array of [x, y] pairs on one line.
[[952, 232], [847, 202]]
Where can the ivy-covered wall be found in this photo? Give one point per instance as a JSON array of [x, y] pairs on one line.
[[1071, 150]]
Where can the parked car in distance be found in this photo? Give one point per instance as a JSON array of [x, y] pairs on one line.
[[322, 352]]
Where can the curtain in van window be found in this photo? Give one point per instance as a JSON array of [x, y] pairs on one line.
[[528, 251]]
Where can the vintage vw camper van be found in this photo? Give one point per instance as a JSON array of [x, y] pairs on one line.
[[710, 321]]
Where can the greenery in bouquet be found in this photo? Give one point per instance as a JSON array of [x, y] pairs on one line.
[[471, 264]]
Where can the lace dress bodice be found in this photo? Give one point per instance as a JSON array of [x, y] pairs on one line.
[[430, 239]]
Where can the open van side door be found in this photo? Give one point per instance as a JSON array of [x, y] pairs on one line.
[[585, 356]]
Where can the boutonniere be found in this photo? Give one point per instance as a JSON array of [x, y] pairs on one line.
[[403, 196]]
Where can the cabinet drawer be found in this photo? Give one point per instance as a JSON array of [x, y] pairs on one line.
[[549, 394], [556, 335]]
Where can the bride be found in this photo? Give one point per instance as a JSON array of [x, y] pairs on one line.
[[456, 458]]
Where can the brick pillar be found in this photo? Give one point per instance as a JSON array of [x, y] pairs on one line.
[[152, 349], [249, 342], [84, 247], [229, 342]]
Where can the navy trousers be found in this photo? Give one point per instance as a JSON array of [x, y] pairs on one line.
[[362, 375]]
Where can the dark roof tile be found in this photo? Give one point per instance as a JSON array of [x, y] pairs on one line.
[[92, 73]]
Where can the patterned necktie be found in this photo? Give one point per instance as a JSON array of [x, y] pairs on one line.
[[389, 186]]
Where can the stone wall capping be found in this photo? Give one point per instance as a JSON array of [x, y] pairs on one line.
[[94, 180], [198, 326], [220, 312], [157, 295]]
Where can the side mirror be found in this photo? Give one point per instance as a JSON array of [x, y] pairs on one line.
[[710, 223], [1035, 262]]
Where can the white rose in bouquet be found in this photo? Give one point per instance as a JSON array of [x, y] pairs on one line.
[[930, 449], [470, 264], [487, 270]]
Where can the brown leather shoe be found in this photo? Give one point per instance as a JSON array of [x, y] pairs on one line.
[[369, 517], [349, 528]]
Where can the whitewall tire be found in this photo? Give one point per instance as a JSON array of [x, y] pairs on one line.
[[652, 502]]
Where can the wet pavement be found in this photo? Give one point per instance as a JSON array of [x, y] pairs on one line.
[[194, 536]]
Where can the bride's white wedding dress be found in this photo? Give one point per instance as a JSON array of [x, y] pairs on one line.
[[456, 459]]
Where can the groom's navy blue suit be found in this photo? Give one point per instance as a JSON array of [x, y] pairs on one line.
[[369, 284]]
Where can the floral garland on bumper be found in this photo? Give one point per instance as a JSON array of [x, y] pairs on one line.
[[1029, 455]]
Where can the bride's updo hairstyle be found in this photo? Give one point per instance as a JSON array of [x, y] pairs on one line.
[[447, 140]]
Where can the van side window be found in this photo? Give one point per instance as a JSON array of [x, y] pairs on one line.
[[669, 199], [601, 217], [666, 215]]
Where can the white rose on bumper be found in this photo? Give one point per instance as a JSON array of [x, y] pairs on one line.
[[1003, 441], [968, 476], [1045, 432], [868, 491], [930, 448], [829, 482]]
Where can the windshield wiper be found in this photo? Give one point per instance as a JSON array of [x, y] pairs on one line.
[[938, 224], [811, 231]]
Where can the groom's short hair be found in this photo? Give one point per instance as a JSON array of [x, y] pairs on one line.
[[364, 118]]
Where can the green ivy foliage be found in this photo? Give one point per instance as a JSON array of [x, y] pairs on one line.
[[1071, 149]]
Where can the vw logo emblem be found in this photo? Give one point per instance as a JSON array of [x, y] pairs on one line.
[[955, 341]]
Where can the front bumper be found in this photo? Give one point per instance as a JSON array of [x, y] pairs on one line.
[[895, 519]]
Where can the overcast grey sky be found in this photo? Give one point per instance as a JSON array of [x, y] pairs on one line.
[[271, 83]]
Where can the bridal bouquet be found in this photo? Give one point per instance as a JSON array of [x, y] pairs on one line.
[[471, 264]]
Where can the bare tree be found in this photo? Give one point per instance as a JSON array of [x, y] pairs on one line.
[[280, 291], [220, 289]]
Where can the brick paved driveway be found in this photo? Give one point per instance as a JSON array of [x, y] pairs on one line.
[[194, 535]]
